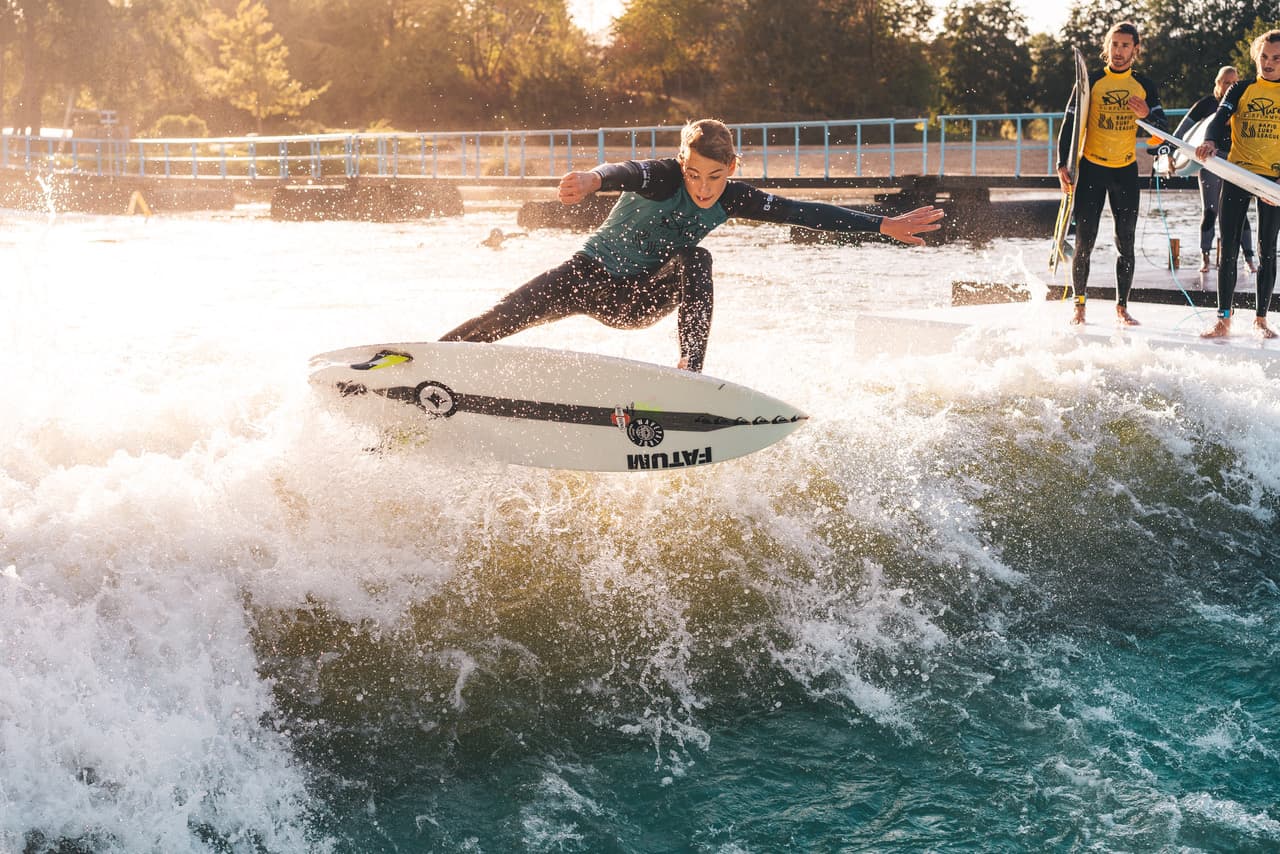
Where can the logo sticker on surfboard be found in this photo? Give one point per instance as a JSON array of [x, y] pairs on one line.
[[645, 432]]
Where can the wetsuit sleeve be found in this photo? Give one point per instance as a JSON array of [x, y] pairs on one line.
[[1219, 130], [1064, 133], [1199, 110], [653, 179], [743, 200], [1156, 117]]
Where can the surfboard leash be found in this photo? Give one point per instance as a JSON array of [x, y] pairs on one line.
[[1168, 235]]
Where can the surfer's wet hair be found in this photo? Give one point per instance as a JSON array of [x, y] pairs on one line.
[[709, 137], [1127, 28], [1269, 37]]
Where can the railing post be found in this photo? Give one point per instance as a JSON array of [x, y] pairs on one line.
[[826, 150], [600, 145], [893, 151], [942, 145], [858, 152], [1017, 151], [973, 147], [798, 150], [1049, 153]]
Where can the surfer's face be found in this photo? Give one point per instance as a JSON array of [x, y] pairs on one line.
[[705, 178], [1269, 61], [1122, 50]]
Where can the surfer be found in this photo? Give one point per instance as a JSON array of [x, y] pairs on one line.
[[1109, 168], [1211, 184], [1247, 125], [645, 262]]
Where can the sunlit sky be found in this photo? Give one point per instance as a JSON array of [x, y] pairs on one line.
[[1042, 15]]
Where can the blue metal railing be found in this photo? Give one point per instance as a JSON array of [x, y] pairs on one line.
[[1017, 144]]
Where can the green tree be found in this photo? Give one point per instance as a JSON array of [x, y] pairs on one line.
[[60, 44], [149, 65], [1052, 74], [8, 38], [251, 74], [826, 59], [985, 58], [668, 47], [1192, 40]]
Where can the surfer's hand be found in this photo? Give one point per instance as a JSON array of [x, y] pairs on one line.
[[576, 186], [1206, 149], [905, 227], [1064, 179], [1139, 106]]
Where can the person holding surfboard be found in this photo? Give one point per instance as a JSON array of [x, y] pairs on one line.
[[1108, 165], [1247, 125], [644, 261], [1211, 184]]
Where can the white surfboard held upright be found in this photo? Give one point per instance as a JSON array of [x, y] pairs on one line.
[[552, 408]]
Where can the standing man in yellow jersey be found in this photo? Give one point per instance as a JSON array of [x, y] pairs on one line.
[[1108, 168], [1251, 109]]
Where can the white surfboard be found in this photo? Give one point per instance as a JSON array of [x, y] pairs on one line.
[[1061, 250], [552, 408], [1260, 186], [1184, 162]]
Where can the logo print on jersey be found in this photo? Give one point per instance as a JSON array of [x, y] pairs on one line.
[[1115, 98], [1263, 108]]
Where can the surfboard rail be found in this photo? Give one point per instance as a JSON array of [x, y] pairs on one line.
[[552, 408], [1259, 185]]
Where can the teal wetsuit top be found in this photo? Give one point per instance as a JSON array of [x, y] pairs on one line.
[[655, 217], [644, 261]]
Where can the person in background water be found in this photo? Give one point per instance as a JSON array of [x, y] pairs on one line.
[[1247, 124], [644, 261], [1109, 168], [1211, 184]]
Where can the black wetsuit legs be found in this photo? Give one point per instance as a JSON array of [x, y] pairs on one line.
[[1095, 185], [582, 285], [1233, 209], [1210, 194]]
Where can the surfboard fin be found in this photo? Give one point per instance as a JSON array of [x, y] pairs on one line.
[[383, 359]]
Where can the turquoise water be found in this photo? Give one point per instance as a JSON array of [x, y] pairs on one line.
[[1012, 598]]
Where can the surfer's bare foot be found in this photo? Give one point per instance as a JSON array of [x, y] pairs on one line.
[[1077, 318], [1261, 329], [1204, 262], [1221, 329], [1124, 318], [1253, 268], [683, 364]]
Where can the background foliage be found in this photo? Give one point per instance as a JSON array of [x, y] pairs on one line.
[[237, 66]]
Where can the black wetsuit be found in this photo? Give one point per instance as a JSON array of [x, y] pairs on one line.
[[1247, 125], [1210, 184], [644, 261], [1108, 171]]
